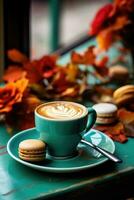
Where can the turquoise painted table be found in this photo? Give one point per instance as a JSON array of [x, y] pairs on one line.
[[106, 181], [18, 182]]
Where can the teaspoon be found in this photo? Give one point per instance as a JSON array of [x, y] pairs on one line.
[[102, 151]]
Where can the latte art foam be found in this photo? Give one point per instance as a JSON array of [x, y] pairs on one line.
[[62, 110]]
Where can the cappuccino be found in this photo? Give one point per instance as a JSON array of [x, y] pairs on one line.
[[62, 110], [61, 125]]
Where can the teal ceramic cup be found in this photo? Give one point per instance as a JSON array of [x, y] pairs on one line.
[[62, 135]]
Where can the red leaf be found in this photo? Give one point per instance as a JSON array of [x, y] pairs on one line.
[[116, 131], [32, 73], [100, 19], [46, 66], [102, 63], [60, 83]]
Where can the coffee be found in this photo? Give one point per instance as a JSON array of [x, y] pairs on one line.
[[62, 110]]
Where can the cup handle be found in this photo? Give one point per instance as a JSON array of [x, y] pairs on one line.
[[91, 119]]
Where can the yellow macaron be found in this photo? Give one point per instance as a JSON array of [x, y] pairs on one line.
[[118, 73], [124, 95]]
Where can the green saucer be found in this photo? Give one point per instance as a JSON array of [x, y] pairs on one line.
[[85, 159]]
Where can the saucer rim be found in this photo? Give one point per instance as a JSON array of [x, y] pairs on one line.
[[55, 169]]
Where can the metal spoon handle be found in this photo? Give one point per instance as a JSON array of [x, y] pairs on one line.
[[102, 151]]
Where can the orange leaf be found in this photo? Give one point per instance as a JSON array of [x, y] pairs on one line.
[[105, 39], [11, 94], [16, 56], [71, 71], [120, 22], [77, 58], [70, 92], [126, 116], [14, 73], [22, 84], [87, 58]]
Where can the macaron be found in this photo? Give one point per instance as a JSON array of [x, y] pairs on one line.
[[124, 95], [32, 150], [118, 73], [106, 113]]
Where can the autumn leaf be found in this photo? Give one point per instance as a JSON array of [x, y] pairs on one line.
[[40, 69], [71, 71], [87, 58], [46, 66], [29, 104], [21, 85], [122, 6], [23, 114], [114, 131], [107, 35], [59, 83], [101, 63], [14, 73], [76, 58], [125, 116], [32, 73], [11, 94], [70, 92], [16, 56], [120, 22], [105, 39], [100, 19], [109, 21]]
